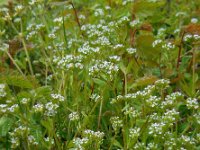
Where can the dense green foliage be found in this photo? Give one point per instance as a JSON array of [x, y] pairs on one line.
[[100, 74]]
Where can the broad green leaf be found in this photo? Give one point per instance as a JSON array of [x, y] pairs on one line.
[[5, 125], [145, 48], [20, 81], [143, 8], [144, 81]]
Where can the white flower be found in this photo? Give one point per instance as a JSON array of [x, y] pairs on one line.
[[168, 46], [131, 50], [48, 140], [92, 134], [116, 122], [81, 17], [134, 132], [58, 96], [134, 22], [25, 100], [52, 36], [194, 20], [118, 46], [78, 142], [51, 109], [2, 90], [99, 12], [95, 97], [192, 103], [18, 8], [74, 116], [187, 37], [115, 58], [38, 107], [58, 20], [13, 108], [156, 42]]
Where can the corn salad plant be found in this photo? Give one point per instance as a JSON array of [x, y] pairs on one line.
[[103, 74]]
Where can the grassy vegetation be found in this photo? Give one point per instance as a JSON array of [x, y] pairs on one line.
[[103, 74]]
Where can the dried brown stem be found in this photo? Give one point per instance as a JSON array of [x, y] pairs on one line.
[[179, 51], [76, 16]]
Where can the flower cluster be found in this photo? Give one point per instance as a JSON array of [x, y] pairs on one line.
[[153, 101], [192, 103], [95, 97], [171, 99], [51, 109], [74, 116], [132, 112], [38, 107], [138, 95], [162, 83], [94, 135], [2, 90], [134, 132], [17, 134], [69, 62], [131, 50], [106, 67], [80, 143], [168, 46], [189, 37], [116, 122], [58, 97], [87, 49]]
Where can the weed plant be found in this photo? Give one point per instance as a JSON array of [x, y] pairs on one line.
[[103, 74]]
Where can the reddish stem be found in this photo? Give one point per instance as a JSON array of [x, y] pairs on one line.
[[179, 51]]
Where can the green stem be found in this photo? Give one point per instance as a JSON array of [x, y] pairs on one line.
[[112, 142], [193, 71], [100, 112], [18, 68], [28, 57]]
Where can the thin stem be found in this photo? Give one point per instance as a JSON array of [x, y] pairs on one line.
[[100, 112], [125, 83], [28, 57], [112, 141], [179, 51], [64, 30], [18, 68], [76, 16], [25, 48], [193, 71]]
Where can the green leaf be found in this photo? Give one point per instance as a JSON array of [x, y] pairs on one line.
[[5, 125], [117, 144], [99, 82], [44, 91], [19, 81], [145, 48], [144, 8], [3, 2], [48, 124]]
